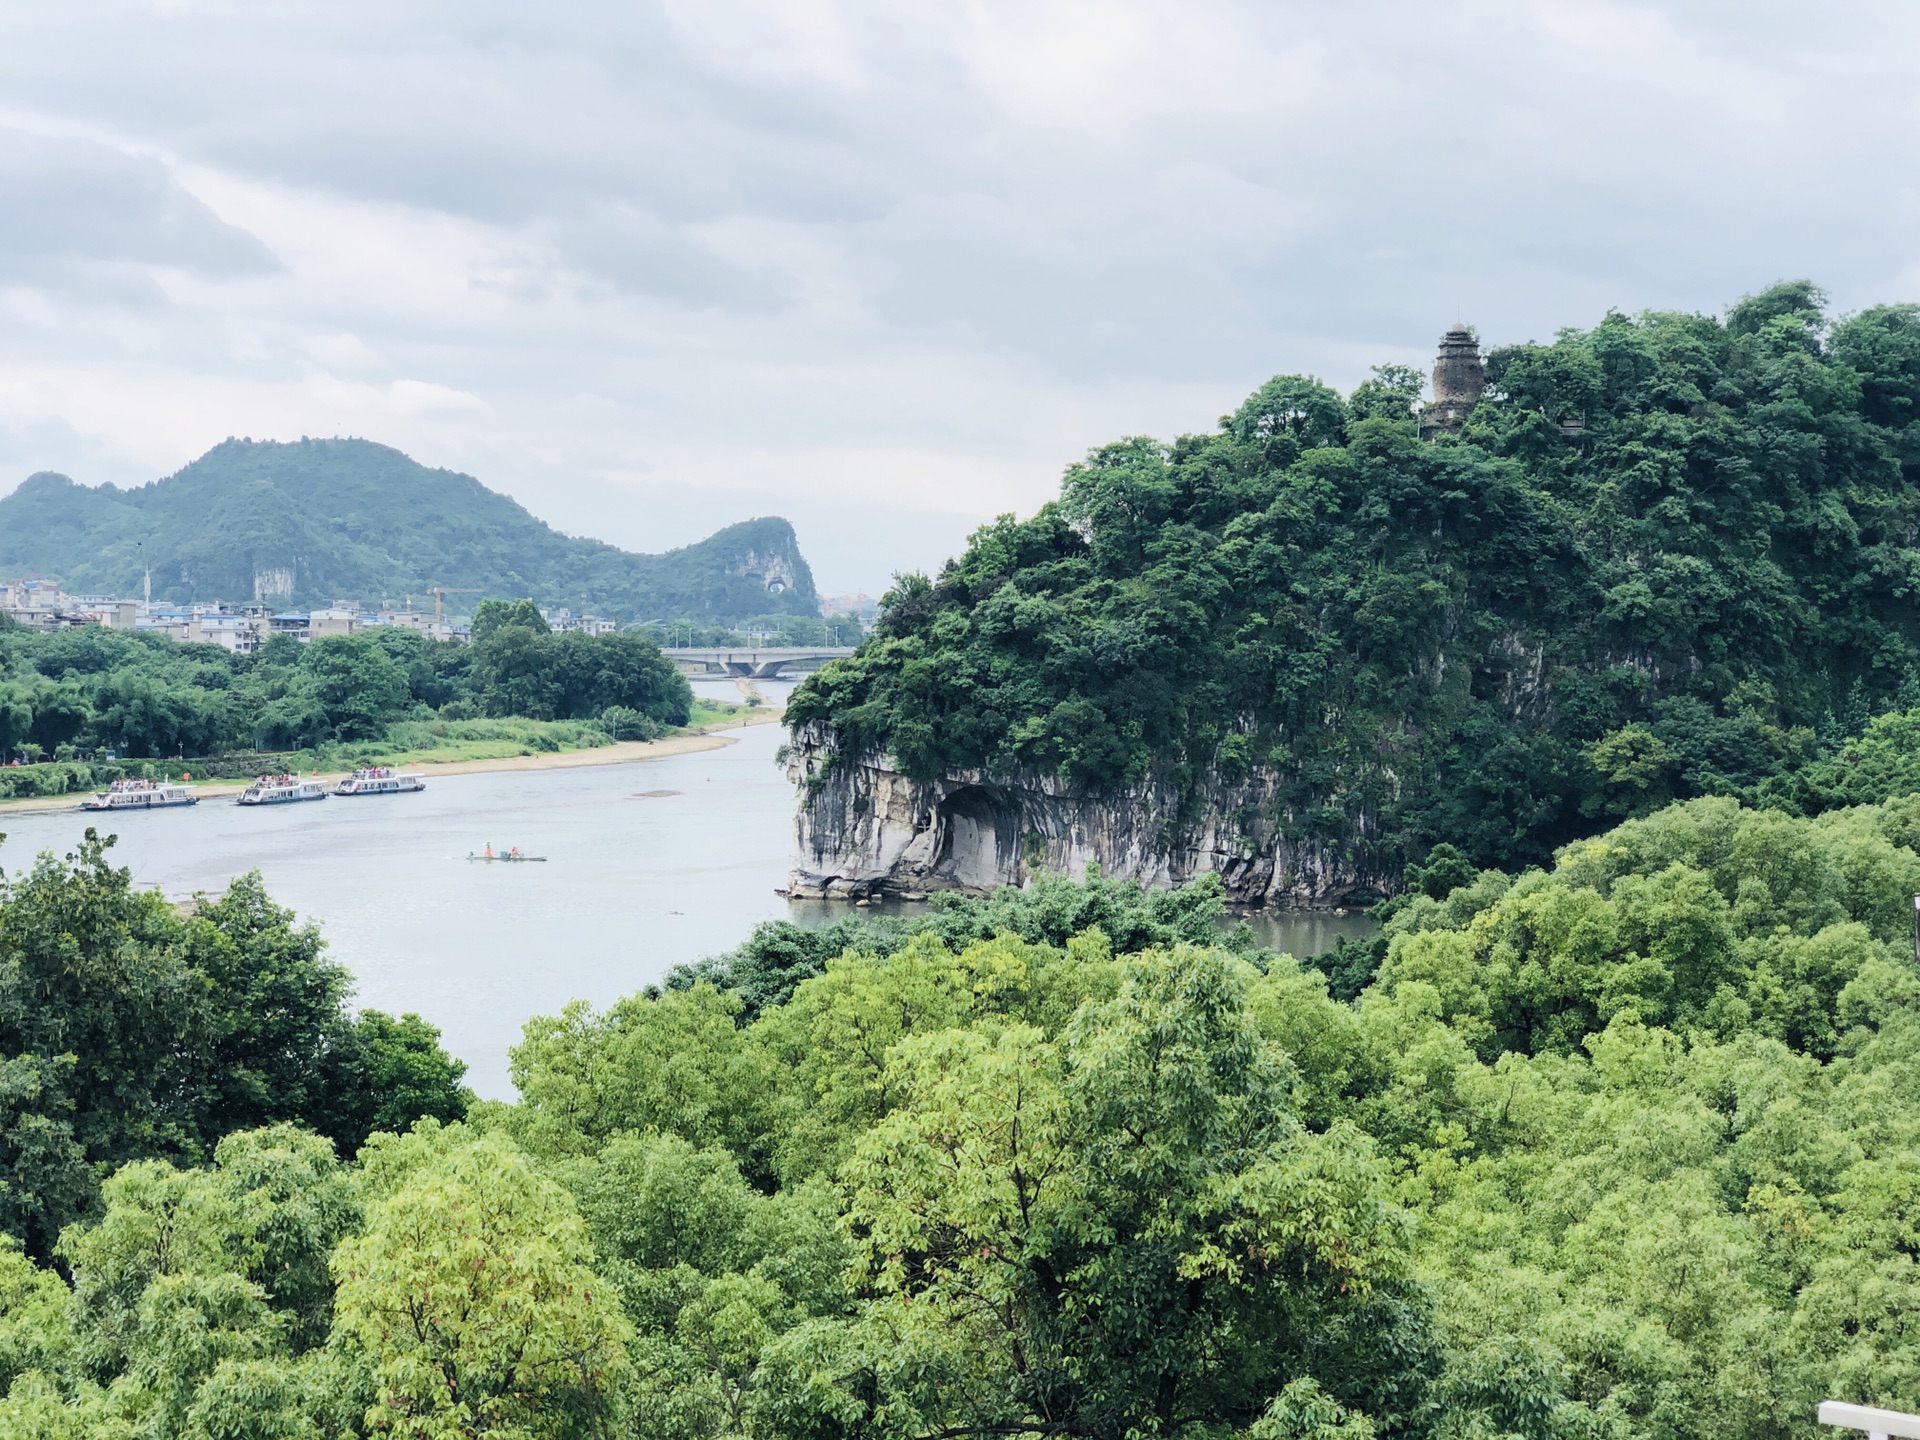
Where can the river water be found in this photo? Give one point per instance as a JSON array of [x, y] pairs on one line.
[[648, 865]]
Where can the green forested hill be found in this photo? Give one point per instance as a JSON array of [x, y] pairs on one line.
[[1667, 556], [352, 519]]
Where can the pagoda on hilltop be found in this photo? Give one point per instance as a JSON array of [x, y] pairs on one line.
[[1459, 377]]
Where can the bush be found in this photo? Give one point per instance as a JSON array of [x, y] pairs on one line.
[[624, 723], [29, 782]]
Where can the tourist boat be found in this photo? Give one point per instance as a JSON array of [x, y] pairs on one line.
[[379, 781], [141, 795], [281, 790]]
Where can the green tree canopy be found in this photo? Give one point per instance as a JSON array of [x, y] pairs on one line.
[[133, 1032]]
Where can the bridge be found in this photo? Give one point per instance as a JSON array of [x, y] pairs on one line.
[[754, 664]]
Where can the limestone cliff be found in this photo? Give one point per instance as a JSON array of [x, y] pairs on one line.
[[864, 829]]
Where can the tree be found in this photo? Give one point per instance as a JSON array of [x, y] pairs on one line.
[[357, 685], [1129, 1225], [276, 1011], [191, 1289], [1392, 394], [131, 1033], [678, 1065], [599, 672], [490, 616], [515, 673], [98, 1017], [16, 720], [471, 1296], [389, 1073]]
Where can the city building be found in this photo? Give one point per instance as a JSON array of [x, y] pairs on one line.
[[241, 634], [337, 620], [563, 620], [40, 604], [105, 610], [173, 621], [434, 627]]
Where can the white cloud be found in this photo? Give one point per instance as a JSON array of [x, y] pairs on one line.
[[885, 269]]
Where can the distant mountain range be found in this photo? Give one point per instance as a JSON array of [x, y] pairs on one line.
[[309, 522]]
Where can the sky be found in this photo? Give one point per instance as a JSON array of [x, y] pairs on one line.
[[655, 266]]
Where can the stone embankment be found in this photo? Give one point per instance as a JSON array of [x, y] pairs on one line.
[[864, 830]]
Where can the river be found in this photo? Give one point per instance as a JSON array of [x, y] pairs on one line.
[[648, 865]]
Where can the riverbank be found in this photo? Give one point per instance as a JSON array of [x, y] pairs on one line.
[[693, 739]]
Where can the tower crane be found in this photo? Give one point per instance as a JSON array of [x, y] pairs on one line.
[[438, 590]]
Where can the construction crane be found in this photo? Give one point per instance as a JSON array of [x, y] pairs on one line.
[[438, 590]]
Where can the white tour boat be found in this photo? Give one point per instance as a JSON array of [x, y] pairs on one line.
[[141, 795], [281, 790], [379, 781]]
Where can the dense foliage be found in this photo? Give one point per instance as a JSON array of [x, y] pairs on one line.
[[91, 688], [352, 518], [131, 1030], [1621, 1148], [1665, 557], [779, 954]]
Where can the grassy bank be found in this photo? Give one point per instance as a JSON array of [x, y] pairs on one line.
[[436, 742]]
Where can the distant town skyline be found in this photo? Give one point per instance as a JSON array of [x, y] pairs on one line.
[[654, 268]]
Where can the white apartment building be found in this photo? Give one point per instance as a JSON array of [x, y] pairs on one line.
[[563, 620], [334, 621], [241, 634]]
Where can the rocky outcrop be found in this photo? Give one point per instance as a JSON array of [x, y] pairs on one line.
[[866, 830], [772, 571]]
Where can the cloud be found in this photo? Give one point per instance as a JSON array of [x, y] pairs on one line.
[[632, 249], [883, 268], [75, 208]]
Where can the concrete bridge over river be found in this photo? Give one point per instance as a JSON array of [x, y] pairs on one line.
[[752, 663]]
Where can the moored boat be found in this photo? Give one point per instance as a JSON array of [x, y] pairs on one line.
[[281, 790], [379, 780], [141, 795]]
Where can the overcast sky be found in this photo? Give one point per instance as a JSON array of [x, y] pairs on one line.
[[880, 268]]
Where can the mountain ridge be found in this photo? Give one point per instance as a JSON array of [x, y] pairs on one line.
[[309, 521]]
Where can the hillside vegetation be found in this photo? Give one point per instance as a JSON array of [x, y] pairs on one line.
[[352, 519], [1624, 1149], [1668, 556]]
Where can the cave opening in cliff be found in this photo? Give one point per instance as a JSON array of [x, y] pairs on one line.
[[979, 840]]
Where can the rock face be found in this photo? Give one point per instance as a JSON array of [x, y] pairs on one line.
[[864, 829], [772, 570]]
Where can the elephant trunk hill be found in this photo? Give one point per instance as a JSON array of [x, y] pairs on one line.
[[307, 522], [1670, 556]]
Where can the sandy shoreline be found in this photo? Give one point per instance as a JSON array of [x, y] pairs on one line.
[[621, 752]]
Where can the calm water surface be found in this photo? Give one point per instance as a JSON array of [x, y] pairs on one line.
[[649, 865]]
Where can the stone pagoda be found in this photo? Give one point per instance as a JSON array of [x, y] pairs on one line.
[[1458, 378]]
